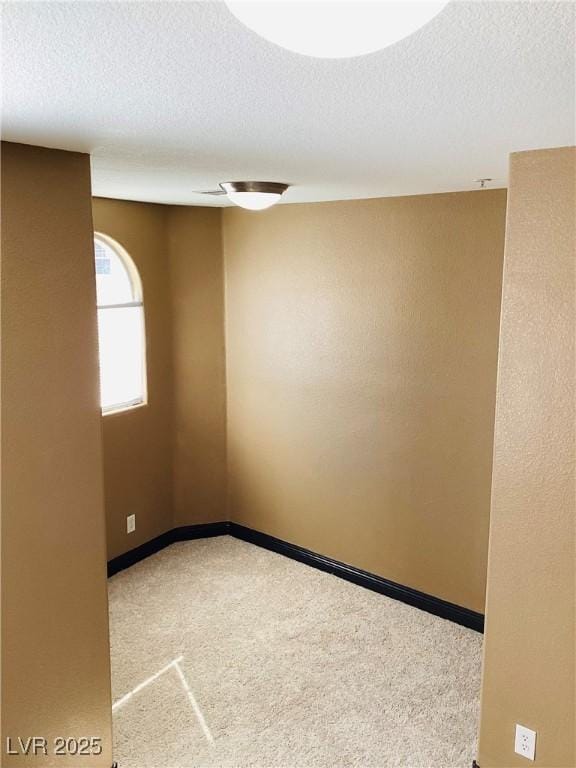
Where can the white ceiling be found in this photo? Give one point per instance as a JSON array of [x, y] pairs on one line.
[[169, 98]]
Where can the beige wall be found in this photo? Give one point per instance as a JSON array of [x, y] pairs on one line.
[[55, 655], [361, 351], [195, 246], [530, 642], [166, 461], [361, 342], [138, 443]]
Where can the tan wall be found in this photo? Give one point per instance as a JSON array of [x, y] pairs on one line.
[[166, 461], [55, 655], [530, 641], [138, 443], [199, 365], [361, 367]]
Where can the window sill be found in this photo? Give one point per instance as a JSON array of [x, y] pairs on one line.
[[123, 409]]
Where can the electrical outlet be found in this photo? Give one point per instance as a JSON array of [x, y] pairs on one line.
[[130, 523], [525, 742]]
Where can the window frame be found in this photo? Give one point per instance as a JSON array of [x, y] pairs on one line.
[[137, 290]]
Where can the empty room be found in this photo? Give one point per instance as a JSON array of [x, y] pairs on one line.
[[288, 384]]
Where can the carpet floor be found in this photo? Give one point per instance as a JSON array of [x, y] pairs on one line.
[[226, 655]]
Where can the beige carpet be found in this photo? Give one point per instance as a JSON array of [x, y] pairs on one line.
[[224, 654]]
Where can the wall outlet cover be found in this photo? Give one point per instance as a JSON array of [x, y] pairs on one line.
[[525, 742], [130, 523]]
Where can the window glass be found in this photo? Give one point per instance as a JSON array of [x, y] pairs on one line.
[[121, 335], [113, 282]]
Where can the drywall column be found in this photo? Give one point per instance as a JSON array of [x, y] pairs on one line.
[[530, 639], [55, 654], [195, 246]]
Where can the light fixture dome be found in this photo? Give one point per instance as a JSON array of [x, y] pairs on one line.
[[335, 29], [254, 195]]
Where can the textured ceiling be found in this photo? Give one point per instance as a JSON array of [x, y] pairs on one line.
[[174, 97]]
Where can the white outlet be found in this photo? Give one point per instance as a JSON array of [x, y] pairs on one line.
[[130, 523], [525, 742]]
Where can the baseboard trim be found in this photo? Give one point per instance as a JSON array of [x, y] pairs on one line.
[[201, 531], [184, 533], [421, 600], [435, 605]]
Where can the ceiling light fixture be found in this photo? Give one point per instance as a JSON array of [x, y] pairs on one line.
[[254, 195], [335, 29]]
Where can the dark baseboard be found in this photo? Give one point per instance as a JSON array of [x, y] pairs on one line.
[[185, 533], [413, 597], [202, 531]]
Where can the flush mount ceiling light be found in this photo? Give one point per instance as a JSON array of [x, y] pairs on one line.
[[335, 29], [254, 195]]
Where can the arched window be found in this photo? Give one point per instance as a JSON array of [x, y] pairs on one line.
[[121, 335]]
